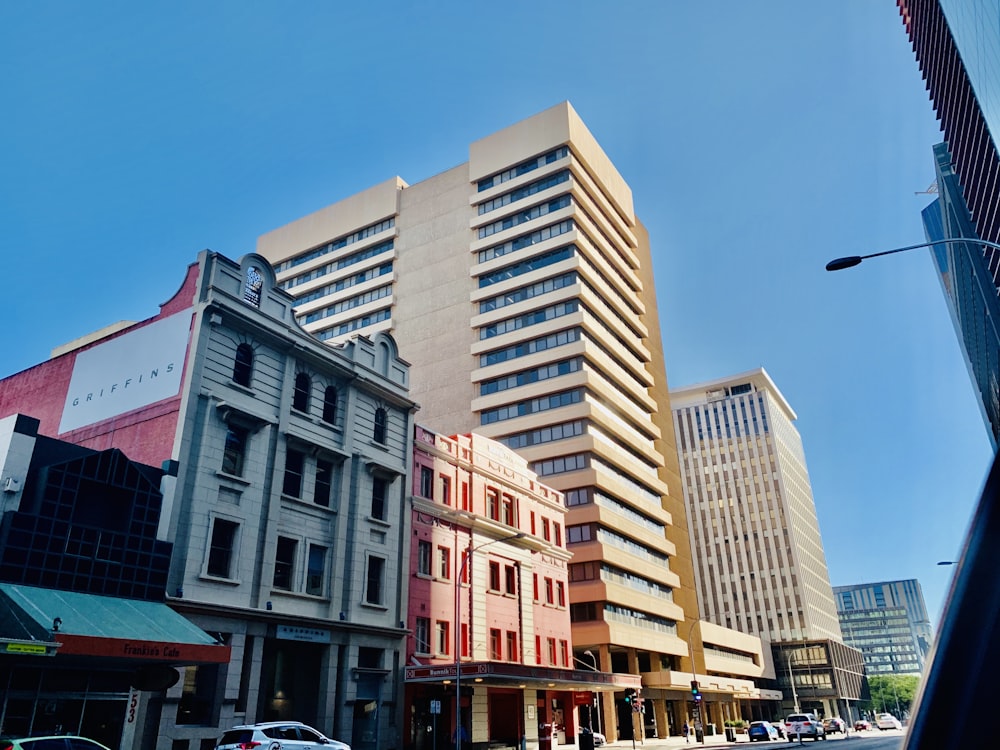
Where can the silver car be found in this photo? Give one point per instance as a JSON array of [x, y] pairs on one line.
[[277, 735]]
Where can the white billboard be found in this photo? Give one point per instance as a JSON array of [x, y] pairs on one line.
[[134, 370]]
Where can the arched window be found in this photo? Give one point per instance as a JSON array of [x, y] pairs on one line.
[[330, 404], [300, 399], [381, 418], [243, 364]]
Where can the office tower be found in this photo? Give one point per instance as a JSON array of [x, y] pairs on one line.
[[888, 623], [520, 289], [968, 289], [957, 44], [283, 497], [759, 560]]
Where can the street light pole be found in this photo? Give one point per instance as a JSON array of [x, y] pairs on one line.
[[458, 629], [791, 680], [597, 698]]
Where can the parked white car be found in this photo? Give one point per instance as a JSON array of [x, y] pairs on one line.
[[274, 735], [805, 725], [887, 721]]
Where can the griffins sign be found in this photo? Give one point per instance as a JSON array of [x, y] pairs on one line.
[[125, 373]]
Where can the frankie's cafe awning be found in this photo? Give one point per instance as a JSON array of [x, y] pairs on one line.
[[91, 625]]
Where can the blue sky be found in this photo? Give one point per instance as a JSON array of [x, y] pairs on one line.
[[760, 140]]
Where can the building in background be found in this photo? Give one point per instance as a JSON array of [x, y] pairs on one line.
[[283, 501], [888, 623], [489, 562], [968, 288], [758, 555], [957, 44], [519, 286], [759, 560], [822, 676]]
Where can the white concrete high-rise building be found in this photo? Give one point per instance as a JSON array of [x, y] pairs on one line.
[[758, 556], [519, 287]]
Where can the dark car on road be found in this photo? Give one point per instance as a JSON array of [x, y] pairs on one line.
[[763, 731]]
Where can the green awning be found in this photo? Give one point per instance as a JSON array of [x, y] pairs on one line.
[[93, 625]]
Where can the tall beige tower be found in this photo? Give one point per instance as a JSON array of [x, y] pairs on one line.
[[519, 287], [759, 560]]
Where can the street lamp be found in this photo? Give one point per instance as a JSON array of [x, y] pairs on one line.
[[694, 683], [853, 260], [791, 680], [458, 630], [597, 708]]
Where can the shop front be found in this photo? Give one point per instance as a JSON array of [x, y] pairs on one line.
[[504, 706], [75, 663]]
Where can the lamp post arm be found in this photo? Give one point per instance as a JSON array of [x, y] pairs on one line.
[[853, 260]]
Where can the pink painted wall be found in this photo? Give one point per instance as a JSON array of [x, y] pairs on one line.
[[473, 469]]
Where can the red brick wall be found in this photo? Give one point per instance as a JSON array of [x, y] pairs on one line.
[[145, 435]]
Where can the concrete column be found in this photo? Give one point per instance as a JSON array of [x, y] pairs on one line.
[[660, 714], [530, 718], [480, 717]]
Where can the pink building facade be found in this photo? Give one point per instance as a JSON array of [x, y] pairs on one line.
[[488, 589]]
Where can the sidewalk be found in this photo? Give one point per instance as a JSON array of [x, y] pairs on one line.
[[717, 742]]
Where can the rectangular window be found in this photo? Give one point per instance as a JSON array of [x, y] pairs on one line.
[[422, 635], [446, 490], [512, 654], [548, 591], [465, 496], [508, 515], [546, 531], [234, 453], [220, 552], [316, 571], [558, 534], [424, 557], [373, 584], [564, 652], [465, 639], [510, 579], [465, 566], [534, 582], [198, 694], [533, 532], [494, 576], [284, 563], [443, 638], [444, 563], [538, 649], [493, 504], [426, 482], [560, 593], [495, 644], [576, 534], [378, 497], [324, 483], [294, 465], [552, 651]]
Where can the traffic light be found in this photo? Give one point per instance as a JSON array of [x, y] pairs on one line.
[[630, 696], [695, 691]]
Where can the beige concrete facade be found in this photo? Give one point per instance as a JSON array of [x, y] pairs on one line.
[[520, 289], [759, 560]]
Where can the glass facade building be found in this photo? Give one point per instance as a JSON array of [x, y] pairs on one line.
[[957, 45], [888, 623]]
